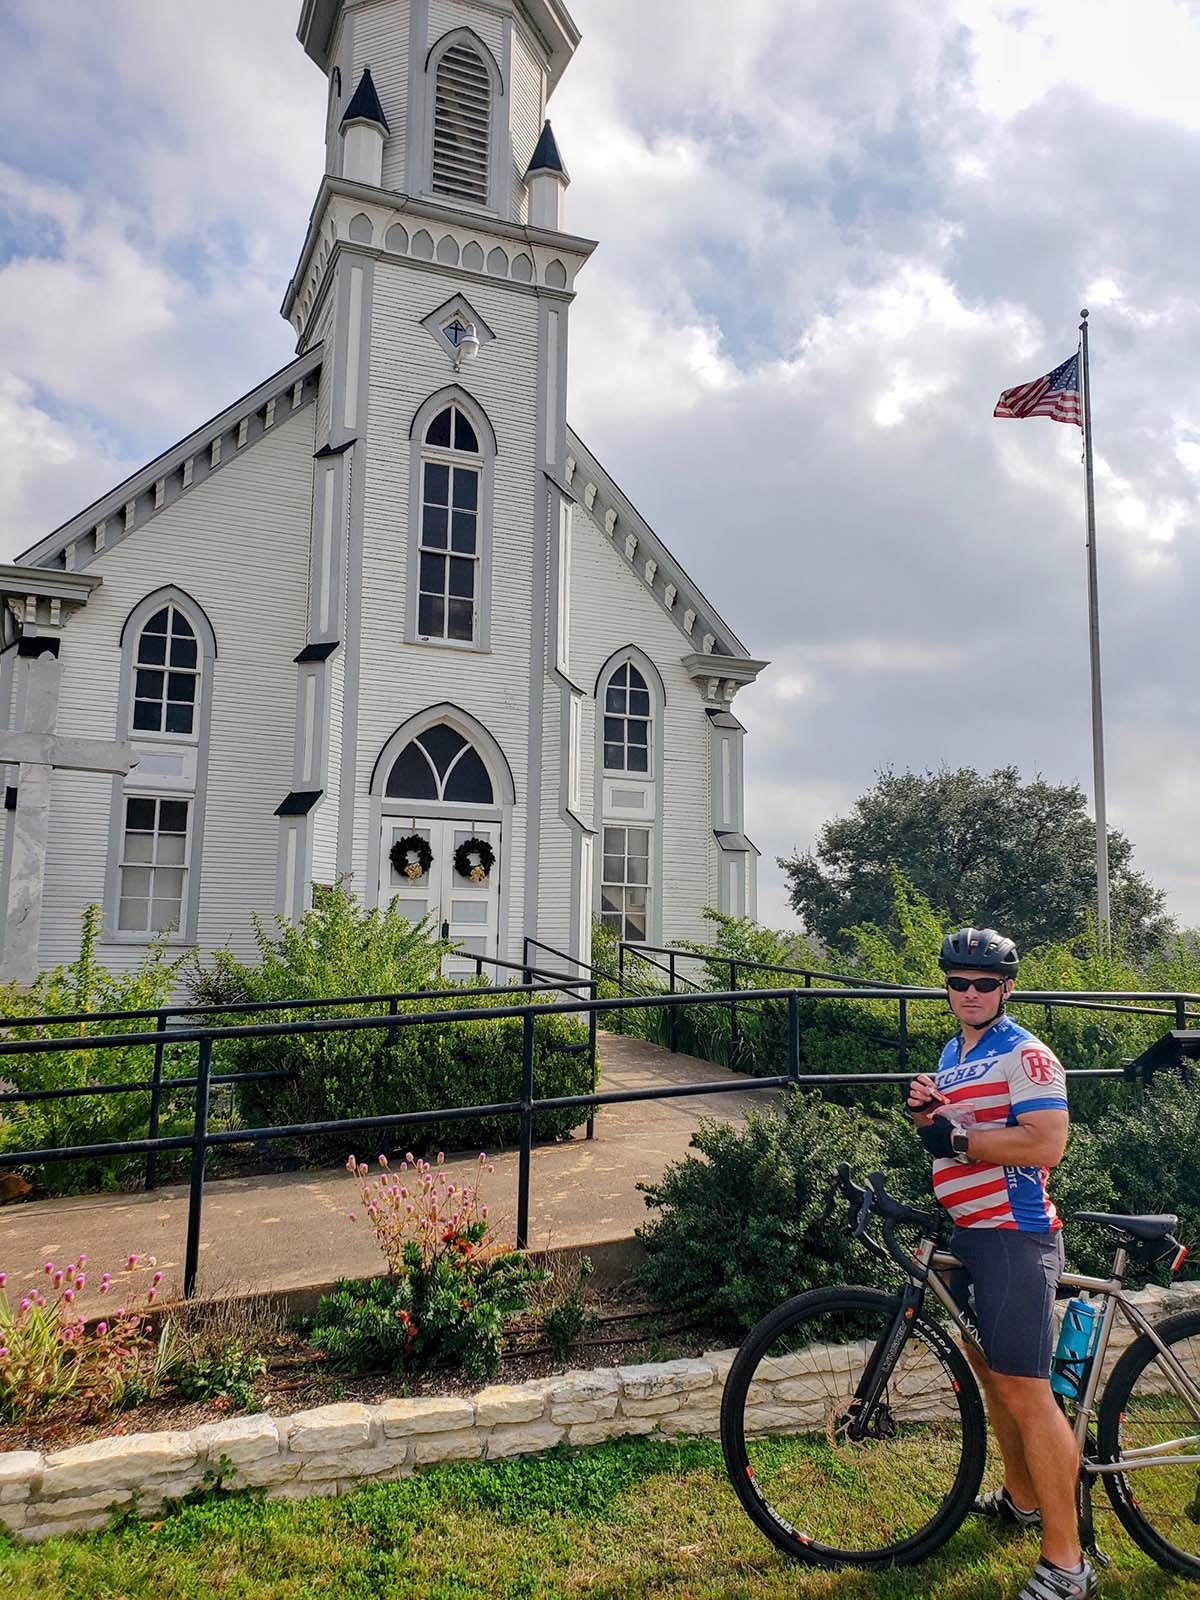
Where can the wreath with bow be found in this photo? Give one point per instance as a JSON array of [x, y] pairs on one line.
[[479, 869], [411, 845]]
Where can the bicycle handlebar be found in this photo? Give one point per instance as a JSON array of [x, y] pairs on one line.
[[865, 1201]]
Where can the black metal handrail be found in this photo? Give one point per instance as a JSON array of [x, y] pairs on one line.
[[876, 989], [202, 1138]]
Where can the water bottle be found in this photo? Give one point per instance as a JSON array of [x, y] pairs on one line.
[[1074, 1344]]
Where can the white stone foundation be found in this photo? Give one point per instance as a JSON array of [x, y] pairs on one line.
[[335, 1449]]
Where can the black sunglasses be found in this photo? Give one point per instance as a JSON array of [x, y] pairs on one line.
[[980, 985]]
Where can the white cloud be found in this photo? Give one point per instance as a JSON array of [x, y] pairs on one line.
[[830, 235]]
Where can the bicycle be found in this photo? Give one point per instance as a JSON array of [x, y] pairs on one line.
[[854, 1432]]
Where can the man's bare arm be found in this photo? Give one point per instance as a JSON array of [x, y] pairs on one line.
[[1038, 1140]]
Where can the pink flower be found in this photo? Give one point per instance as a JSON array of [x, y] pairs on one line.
[[104, 1286], [3, 1279], [156, 1280], [25, 1304], [81, 1280], [150, 1293], [3, 1352], [383, 1161], [58, 1278], [82, 1262], [131, 1263], [48, 1268], [68, 1295], [102, 1328]]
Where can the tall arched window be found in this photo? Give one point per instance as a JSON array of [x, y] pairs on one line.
[[462, 123], [627, 721], [156, 834], [451, 478]]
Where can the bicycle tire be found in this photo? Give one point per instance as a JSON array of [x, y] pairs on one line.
[[1110, 1419], [851, 1298]]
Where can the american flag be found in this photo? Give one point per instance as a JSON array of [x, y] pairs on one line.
[[1055, 396]]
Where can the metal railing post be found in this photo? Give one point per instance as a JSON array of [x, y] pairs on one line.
[[734, 1031], [793, 1045], [393, 1032], [593, 989], [155, 1103], [903, 1035], [191, 1258], [526, 1150], [673, 1011], [621, 982]]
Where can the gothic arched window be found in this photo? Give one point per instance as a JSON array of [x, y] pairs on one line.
[[440, 764], [156, 831], [627, 721], [167, 682], [450, 542], [462, 123]]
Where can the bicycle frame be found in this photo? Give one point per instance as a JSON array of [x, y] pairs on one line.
[[931, 1263]]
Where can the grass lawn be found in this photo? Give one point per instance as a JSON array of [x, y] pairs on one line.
[[638, 1517]]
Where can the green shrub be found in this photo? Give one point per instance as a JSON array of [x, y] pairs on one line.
[[340, 948], [567, 1316], [742, 1224], [447, 1295], [228, 1371], [86, 986]]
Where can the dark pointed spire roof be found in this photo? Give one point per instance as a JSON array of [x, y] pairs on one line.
[[365, 107], [546, 157]]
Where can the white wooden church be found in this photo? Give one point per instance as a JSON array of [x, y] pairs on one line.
[[386, 618]]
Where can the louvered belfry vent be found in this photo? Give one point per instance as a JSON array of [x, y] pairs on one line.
[[462, 125]]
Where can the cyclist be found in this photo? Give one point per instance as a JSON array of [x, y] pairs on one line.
[[994, 1118]]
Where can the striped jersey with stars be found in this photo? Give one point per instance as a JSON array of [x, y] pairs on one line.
[[1007, 1072]]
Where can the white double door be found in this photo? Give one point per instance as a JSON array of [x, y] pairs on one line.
[[466, 913]]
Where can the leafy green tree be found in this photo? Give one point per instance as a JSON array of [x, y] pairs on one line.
[[982, 848]]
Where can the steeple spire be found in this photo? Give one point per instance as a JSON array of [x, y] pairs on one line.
[[546, 181], [546, 157], [365, 106]]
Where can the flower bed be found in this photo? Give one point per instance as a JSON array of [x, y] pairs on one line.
[[335, 1448]]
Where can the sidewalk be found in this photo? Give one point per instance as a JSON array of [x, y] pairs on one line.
[[292, 1231]]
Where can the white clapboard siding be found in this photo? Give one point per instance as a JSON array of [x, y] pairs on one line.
[[399, 680], [381, 42], [528, 108], [610, 607], [238, 545], [446, 15], [325, 816]]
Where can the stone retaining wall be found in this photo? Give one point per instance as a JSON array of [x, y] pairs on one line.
[[337, 1448]]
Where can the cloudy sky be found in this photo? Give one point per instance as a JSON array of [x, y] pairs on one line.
[[831, 234]]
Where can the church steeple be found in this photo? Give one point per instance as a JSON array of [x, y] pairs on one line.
[[546, 181], [364, 105], [364, 128]]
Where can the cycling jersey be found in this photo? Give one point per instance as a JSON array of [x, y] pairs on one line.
[[1008, 1071]]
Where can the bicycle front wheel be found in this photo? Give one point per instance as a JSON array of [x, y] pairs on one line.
[[888, 1499], [1148, 1412]]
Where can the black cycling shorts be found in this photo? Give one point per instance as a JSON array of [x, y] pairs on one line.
[[1006, 1288]]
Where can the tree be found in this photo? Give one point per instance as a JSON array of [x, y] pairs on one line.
[[983, 849]]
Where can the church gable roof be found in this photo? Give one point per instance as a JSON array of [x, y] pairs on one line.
[[632, 537], [180, 469]]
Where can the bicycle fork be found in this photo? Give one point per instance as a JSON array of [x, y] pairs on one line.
[[882, 1363]]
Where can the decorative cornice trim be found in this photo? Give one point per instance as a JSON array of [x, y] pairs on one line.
[[636, 542], [208, 449]]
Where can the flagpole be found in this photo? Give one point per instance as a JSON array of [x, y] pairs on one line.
[[1104, 918]]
